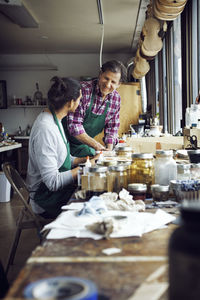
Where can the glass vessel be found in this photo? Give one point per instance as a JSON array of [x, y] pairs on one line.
[[165, 167], [117, 178], [97, 181]]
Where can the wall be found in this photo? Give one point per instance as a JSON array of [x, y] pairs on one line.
[[22, 83]]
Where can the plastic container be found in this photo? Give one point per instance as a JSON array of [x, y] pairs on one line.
[[142, 170], [137, 190], [184, 255], [97, 181], [165, 167], [117, 178], [5, 188]]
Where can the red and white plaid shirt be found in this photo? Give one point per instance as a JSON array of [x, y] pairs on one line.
[[75, 120]]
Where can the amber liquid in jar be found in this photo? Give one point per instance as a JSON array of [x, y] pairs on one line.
[[142, 170]]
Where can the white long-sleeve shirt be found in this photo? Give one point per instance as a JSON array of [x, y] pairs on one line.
[[47, 153]]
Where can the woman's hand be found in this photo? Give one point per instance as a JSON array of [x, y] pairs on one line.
[[74, 172]]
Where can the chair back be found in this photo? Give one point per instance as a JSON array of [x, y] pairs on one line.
[[19, 186]]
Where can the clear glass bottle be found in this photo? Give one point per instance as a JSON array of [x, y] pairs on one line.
[[127, 164], [183, 172], [117, 178], [184, 255], [165, 167], [137, 190], [97, 181], [142, 170], [195, 171]]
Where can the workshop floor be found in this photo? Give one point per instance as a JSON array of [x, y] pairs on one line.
[[28, 240]]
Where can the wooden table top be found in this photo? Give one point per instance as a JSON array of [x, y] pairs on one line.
[[116, 276]]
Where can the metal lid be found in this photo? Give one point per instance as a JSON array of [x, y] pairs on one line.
[[97, 169], [142, 155], [159, 188], [137, 187], [125, 162], [164, 152], [118, 168], [123, 148], [81, 165], [107, 162]]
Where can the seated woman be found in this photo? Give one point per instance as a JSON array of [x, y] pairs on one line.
[[50, 177]]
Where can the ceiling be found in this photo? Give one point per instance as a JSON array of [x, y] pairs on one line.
[[73, 26]]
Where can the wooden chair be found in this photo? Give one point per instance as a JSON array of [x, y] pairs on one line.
[[26, 218]]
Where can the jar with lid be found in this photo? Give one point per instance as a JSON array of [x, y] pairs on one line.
[[142, 170], [183, 172], [97, 181], [124, 151], [165, 167], [137, 190], [160, 192], [195, 171], [184, 255], [127, 164], [117, 178]]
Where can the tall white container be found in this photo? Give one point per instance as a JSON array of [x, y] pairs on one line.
[[165, 167], [5, 188]]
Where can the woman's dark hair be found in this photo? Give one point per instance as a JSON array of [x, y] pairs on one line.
[[63, 90], [115, 66]]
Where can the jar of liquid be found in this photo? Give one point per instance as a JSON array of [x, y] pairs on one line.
[[127, 164], [165, 167], [160, 192], [142, 169], [137, 190], [124, 151], [97, 181], [183, 172], [117, 178], [184, 255]]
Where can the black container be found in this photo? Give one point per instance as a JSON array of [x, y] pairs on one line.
[[194, 156], [184, 255]]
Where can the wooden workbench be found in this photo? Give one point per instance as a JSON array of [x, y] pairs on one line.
[[117, 276]]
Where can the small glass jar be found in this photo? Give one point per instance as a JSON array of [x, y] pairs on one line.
[[195, 171], [160, 192], [127, 164], [97, 181], [137, 190], [183, 172], [165, 167], [124, 151], [142, 170], [117, 178]]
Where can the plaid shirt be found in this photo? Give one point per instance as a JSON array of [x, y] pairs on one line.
[[75, 120]]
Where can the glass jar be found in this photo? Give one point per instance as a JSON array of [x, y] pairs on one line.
[[160, 192], [142, 169], [183, 172], [117, 178], [137, 190], [124, 151], [165, 167], [127, 164], [97, 181], [184, 255], [195, 171]]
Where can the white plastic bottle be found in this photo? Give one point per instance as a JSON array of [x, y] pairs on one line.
[[165, 167], [87, 166]]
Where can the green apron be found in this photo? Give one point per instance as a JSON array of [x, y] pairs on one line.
[[93, 125], [51, 201]]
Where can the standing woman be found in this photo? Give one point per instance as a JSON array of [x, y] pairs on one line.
[[50, 179]]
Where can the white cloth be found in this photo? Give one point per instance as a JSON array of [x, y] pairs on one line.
[[47, 153]]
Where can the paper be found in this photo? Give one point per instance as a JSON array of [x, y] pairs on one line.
[[69, 224], [110, 251]]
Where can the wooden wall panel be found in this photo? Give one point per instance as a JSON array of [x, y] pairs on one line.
[[131, 107]]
